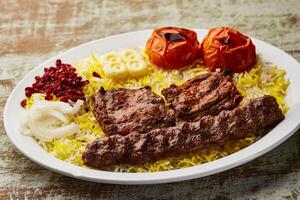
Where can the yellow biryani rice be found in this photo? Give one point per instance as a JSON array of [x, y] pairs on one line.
[[260, 80]]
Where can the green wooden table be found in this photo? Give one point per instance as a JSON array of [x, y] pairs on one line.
[[32, 31]]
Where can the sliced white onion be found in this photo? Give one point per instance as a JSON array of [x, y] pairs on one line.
[[77, 106], [58, 115], [59, 106], [48, 134], [48, 120]]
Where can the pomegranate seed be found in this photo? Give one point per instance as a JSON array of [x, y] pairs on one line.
[[64, 99], [28, 91], [82, 98], [73, 98], [48, 91], [23, 102], [59, 94], [95, 74], [48, 97], [58, 62]]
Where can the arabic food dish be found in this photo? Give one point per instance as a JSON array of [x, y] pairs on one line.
[[173, 104]]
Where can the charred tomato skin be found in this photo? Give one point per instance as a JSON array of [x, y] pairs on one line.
[[172, 47], [226, 47]]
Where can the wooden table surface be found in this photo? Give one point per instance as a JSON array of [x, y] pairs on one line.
[[32, 31]]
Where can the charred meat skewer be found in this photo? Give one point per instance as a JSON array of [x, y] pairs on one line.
[[124, 111], [257, 117], [207, 94]]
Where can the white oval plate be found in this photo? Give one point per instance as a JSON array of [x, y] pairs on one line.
[[36, 153]]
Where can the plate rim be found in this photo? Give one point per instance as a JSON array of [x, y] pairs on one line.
[[152, 177]]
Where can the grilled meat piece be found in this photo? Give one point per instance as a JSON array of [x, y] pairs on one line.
[[124, 111], [257, 117], [207, 94]]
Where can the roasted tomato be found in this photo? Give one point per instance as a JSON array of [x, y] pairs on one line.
[[227, 48], [172, 47]]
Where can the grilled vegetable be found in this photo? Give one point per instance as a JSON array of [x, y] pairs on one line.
[[173, 47], [227, 48]]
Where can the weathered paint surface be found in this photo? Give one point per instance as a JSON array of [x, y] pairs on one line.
[[32, 31]]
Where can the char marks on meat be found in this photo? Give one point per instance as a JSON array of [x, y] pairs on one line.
[[257, 117], [207, 94], [123, 111]]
